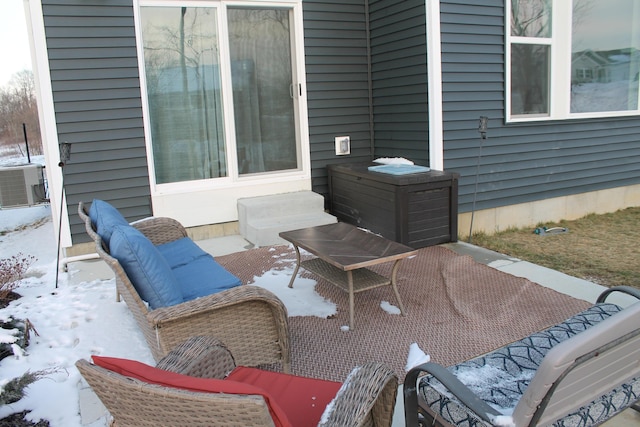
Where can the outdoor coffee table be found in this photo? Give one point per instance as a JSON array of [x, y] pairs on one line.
[[343, 252]]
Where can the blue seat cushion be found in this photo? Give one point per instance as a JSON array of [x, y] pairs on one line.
[[197, 272], [145, 266], [104, 217]]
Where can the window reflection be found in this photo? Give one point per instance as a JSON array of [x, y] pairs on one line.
[[529, 79], [261, 68], [531, 18], [184, 93], [605, 60]]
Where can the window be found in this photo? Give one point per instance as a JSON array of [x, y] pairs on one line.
[[572, 59], [605, 46], [530, 57], [221, 91]]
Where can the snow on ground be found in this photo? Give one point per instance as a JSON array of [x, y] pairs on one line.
[[71, 322], [79, 319]]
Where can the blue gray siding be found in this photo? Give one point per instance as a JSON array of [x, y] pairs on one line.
[[519, 162], [336, 61], [96, 90], [366, 77], [399, 79]]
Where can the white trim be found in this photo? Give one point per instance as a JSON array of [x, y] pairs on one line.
[[46, 117], [228, 113], [434, 85], [507, 64], [560, 73], [143, 96], [300, 78]]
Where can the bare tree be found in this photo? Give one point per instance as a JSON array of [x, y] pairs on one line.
[[18, 106], [531, 18]]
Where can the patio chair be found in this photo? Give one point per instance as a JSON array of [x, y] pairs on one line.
[[139, 395], [251, 320], [578, 373]]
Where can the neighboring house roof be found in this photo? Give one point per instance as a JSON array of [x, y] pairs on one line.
[[589, 56]]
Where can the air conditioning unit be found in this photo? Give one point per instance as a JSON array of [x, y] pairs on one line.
[[21, 185]]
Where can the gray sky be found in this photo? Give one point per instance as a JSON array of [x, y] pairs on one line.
[[14, 40]]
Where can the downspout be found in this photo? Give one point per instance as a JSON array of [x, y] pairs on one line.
[[369, 79]]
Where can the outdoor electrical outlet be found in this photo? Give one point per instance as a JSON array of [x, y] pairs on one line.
[[343, 145]]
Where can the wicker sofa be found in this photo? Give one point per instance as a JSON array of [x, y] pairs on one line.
[[139, 395], [578, 373], [250, 320]]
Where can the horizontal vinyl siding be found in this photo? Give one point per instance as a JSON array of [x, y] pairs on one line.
[[336, 62], [96, 91], [521, 162], [399, 78]]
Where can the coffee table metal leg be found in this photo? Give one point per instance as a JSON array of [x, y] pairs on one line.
[[394, 271], [350, 280], [295, 271]]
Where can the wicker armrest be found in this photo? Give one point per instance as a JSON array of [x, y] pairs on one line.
[[160, 230], [369, 392], [136, 403], [202, 357], [229, 297], [251, 321]]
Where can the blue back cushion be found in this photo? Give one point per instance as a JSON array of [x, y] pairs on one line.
[[197, 272], [105, 217], [181, 252], [147, 269], [202, 277]]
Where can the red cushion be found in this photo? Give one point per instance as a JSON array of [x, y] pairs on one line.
[[302, 399], [151, 375]]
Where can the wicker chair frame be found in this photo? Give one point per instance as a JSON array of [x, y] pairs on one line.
[[250, 320], [367, 398]]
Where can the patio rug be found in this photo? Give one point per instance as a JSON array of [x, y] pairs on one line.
[[456, 309]]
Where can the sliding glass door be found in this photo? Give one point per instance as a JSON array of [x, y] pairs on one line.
[[221, 89]]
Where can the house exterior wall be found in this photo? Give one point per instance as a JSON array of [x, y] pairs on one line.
[[366, 77], [338, 90], [96, 91], [399, 79], [519, 162]]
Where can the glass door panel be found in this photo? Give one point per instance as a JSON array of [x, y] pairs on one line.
[[182, 68], [263, 89]]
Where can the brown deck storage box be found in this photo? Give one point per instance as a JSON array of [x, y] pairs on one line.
[[418, 210]]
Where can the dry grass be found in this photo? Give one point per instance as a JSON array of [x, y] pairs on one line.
[[603, 249]]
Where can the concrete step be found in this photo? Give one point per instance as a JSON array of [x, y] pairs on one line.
[[261, 219]]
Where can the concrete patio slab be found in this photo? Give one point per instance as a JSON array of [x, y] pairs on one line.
[[577, 288]]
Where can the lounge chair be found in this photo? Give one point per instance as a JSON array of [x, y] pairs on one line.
[[251, 320], [578, 373], [139, 395]]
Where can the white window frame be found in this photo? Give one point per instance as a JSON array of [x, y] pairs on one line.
[[559, 72], [233, 179]]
